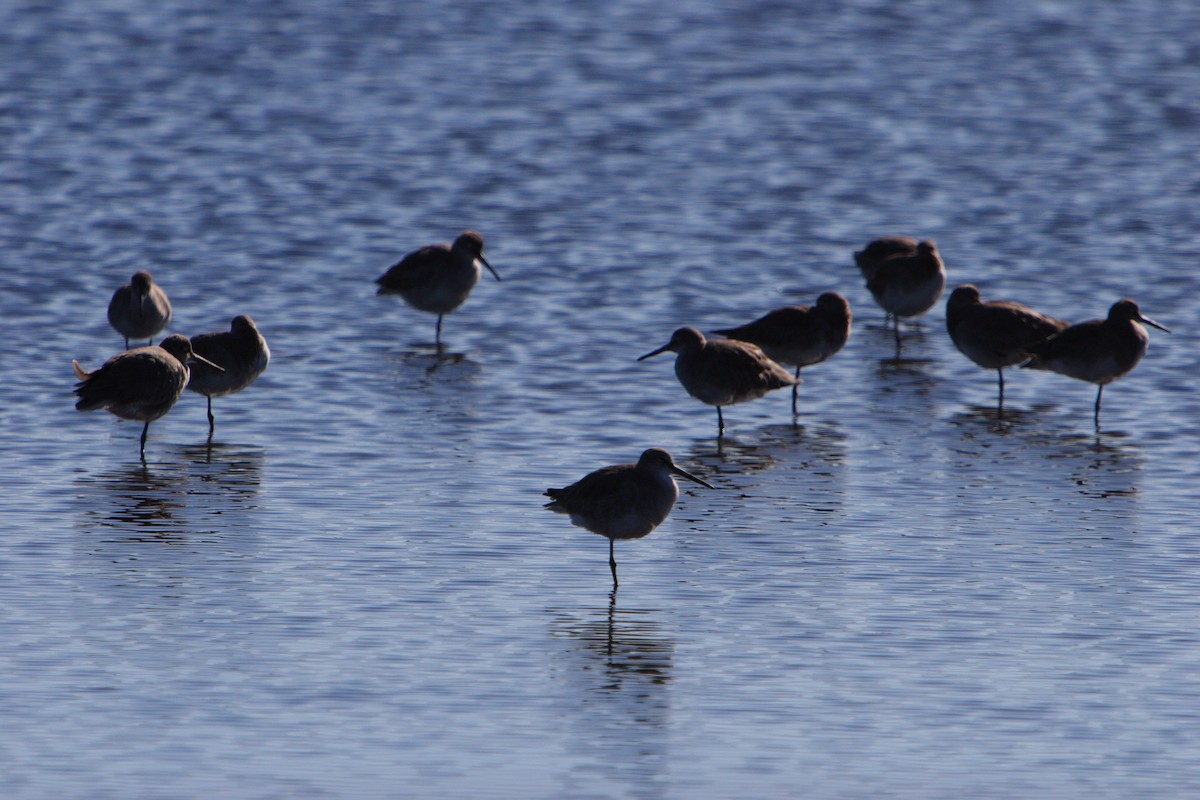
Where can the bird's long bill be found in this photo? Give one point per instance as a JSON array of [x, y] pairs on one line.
[[1154, 324], [662, 349], [203, 360], [495, 274], [685, 474]]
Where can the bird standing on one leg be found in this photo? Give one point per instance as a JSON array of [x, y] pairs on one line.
[[139, 309], [141, 384], [799, 335], [439, 277], [722, 372], [996, 334], [1097, 351], [243, 353], [624, 501]]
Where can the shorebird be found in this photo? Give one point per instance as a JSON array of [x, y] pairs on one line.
[[139, 384], [722, 372], [799, 335], [139, 309], [907, 285], [1097, 351], [624, 501], [437, 278], [241, 351], [996, 334]]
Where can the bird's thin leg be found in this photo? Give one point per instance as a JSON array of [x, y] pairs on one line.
[[896, 329], [212, 423], [438, 338], [145, 430], [126, 342], [1000, 380], [795, 387], [612, 561], [720, 423], [1096, 416]]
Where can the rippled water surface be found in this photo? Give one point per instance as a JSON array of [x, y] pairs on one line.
[[355, 592]]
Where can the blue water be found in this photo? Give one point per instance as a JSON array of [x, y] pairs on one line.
[[355, 591]]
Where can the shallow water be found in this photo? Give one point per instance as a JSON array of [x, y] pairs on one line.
[[355, 592]]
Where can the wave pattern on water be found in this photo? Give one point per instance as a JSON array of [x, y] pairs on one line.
[[355, 591]]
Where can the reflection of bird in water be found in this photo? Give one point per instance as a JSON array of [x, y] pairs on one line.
[[623, 501], [905, 284], [898, 372], [241, 351], [437, 278], [799, 335], [141, 384], [612, 670], [227, 472], [823, 443], [631, 644], [734, 456], [136, 500], [722, 372], [991, 418], [139, 309], [211, 488], [1097, 351], [996, 334]]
